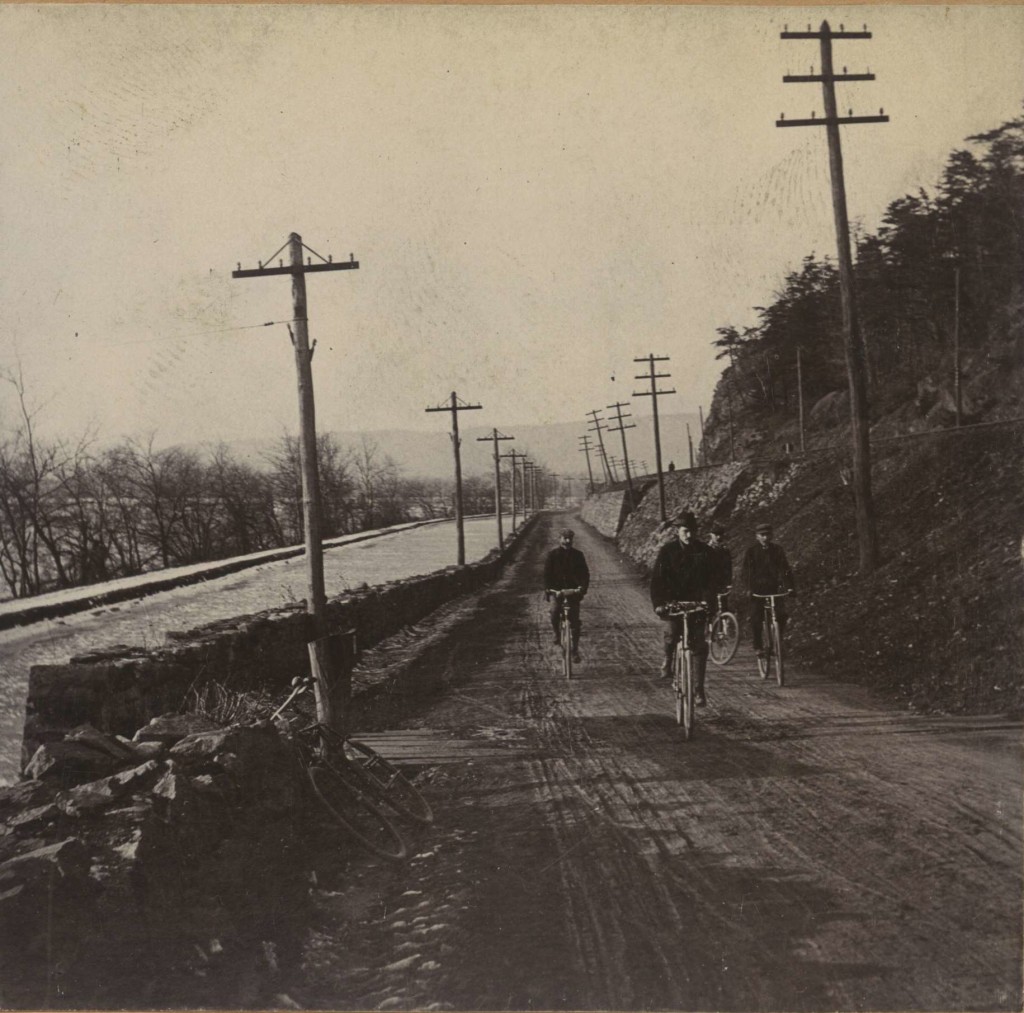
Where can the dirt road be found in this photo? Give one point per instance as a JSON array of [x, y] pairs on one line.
[[808, 850]]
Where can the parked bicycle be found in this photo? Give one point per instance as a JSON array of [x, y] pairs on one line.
[[565, 598], [771, 639], [353, 782], [684, 663], [724, 635]]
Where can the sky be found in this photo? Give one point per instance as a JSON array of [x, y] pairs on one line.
[[535, 195]]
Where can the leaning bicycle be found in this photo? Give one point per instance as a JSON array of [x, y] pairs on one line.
[[565, 598], [684, 663], [771, 639], [724, 635], [353, 782]]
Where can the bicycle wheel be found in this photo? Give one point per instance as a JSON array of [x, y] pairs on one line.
[[687, 695], [566, 635], [380, 777], [777, 653], [360, 817], [764, 665], [725, 638], [678, 682], [387, 782]]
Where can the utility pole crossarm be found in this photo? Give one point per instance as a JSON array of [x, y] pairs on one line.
[[826, 121], [826, 33], [260, 272]]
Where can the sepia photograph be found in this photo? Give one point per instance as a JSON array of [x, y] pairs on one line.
[[512, 507]]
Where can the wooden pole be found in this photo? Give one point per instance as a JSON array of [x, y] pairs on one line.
[[800, 397], [856, 359]]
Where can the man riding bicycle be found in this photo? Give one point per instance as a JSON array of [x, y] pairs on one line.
[[682, 572], [564, 568], [766, 571]]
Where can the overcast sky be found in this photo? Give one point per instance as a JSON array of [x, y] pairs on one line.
[[535, 194]]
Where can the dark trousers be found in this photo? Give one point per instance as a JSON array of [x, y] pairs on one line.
[[674, 632], [574, 618], [757, 610]]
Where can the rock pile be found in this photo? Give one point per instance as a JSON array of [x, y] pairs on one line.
[[165, 870]]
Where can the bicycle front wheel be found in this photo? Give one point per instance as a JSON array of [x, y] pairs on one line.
[[387, 782], [777, 653], [566, 635], [378, 776], [360, 817], [687, 695], [764, 664], [725, 638]]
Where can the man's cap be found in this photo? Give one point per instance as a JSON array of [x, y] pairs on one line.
[[567, 533], [763, 527], [685, 520], [718, 529]]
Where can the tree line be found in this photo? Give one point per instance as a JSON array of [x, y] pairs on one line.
[[73, 514], [952, 258]]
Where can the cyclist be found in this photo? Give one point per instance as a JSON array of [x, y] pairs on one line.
[[766, 571], [682, 572], [566, 567], [721, 566]]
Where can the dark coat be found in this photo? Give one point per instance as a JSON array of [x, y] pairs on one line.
[[681, 573], [721, 567], [766, 570], [566, 568]]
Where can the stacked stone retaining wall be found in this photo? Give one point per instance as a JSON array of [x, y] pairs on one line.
[[119, 689], [606, 511]]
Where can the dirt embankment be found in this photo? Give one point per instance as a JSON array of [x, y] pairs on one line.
[[938, 625]]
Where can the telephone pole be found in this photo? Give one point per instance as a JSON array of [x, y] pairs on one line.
[[621, 429], [702, 454], [585, 449], [513, 454], [455, 406], [689, 440], [495, 437], [316, 600], [654, 394], [598, 427], [856, 357]]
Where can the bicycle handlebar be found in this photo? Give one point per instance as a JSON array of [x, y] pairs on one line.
[[678, 608], [779, 594], [565, 592]]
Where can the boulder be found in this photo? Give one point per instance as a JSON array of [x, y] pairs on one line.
[[171, 728], [69, 763]]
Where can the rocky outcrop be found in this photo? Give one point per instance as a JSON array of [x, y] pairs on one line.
[[709, 493], [163, 871]]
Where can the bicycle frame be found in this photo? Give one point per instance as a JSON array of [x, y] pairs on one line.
[[772, 638], [682, 680], [564, 597]]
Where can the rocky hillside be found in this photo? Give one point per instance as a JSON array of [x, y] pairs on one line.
[[938, 626]]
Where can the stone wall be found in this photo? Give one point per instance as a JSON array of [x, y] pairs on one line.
[[606, 511], [119, 689]]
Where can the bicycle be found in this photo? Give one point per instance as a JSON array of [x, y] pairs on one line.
[[683, 663], [353, 781], [724, 635], [771, 639], [565, 597]]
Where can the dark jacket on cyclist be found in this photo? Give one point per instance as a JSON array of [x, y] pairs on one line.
[[682, 573], [766, 571], [566, 567]]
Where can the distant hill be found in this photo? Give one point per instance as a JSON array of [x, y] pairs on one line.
[[556, 446]]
